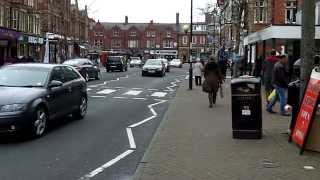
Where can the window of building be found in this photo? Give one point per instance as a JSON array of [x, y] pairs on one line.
[[2, 16], [116, 33], [98, 42], [133, 33], [291, 11], [115, 43], [168, 34], [133, 43], [260, 11], [194, 40], [151, 43], [202, 40], [185, 40], [15, 15], [168, 44]]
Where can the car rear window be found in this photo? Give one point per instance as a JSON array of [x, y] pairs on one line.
[[114, 59]]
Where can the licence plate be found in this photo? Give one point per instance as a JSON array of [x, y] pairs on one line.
[[113, 66], [151, 71]]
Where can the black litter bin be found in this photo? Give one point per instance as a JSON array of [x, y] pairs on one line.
[[246, 108]]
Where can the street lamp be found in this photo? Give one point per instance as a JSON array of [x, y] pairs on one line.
[[186, 28]]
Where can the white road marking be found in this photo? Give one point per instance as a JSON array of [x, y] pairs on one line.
[[97, 96], [133, 93], [88, 89], [106, 91], [93, 86], [153, 89], [139, 98], [131, 139], [106, 165], [137, 88], [159, 94], [119, 97]]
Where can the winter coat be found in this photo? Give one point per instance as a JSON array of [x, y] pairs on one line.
[[213, 76], [280, 75], [268, 71], [197, 69]]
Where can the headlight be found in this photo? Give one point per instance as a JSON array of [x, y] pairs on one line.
[[13, 107]]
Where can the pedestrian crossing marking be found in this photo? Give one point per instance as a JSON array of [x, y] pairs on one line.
[[133, 93], [106, 91], [159, 94]]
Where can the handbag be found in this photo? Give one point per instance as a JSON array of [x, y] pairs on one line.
[[205, 86], [272, 95]]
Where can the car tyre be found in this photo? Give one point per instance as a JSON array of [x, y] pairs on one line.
[[39, 123], [86, 77], [81, 111], [98, 76]]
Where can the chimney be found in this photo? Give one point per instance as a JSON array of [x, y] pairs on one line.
[[177, 18], [126, 20], [151, 22]]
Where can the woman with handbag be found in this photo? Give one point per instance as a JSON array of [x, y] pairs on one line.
[[213, 80]]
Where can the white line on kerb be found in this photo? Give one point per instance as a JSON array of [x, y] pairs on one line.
[[139, 98], [97, 96], [119, 97], [131, 139], [106, 165]]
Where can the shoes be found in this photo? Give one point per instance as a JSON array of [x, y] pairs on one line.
[[271, 111], [210, 106], [285, 114]]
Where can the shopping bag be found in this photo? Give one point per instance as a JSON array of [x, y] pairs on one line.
[[205, 86], [272, 95], [221, 91]]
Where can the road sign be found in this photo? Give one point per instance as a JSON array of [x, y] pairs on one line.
[[307, 111]]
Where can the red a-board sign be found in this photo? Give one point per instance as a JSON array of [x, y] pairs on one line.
[[307, 110]]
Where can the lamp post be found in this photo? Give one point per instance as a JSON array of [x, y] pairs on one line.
[[186, 28]]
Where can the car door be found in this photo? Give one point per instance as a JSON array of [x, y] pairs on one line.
[[57, 97], [74, 86]]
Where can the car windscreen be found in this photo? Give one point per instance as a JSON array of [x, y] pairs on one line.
[[175, 60], [23, 76], [74, 62], [153, 63], [114, 59]]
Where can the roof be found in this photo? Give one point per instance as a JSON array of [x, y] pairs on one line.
[[139, 26]]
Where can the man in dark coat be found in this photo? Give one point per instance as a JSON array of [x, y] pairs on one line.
[[268, 72]]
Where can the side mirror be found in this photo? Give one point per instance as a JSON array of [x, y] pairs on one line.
[[55, 83]]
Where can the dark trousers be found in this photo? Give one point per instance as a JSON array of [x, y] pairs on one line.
[[198, 80]]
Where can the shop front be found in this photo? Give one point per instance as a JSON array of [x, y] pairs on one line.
[[8, 45], [30, 46]]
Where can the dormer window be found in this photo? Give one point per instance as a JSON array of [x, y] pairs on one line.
[[116, 33], [168, 34], [133, 33]]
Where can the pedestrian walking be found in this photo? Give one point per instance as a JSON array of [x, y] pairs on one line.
[[197, 70], [213, 80], [268, 66], [223, 61], [280, 82]]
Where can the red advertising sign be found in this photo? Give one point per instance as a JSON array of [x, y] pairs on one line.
[[308, 107]]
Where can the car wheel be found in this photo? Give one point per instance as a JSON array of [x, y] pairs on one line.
[[39, 124], [81, 111]]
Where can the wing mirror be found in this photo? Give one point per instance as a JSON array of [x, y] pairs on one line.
[[55, 83]]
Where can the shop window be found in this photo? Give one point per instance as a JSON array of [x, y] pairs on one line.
[[151, 44], [115, 43], [185, 40], [133, 43]]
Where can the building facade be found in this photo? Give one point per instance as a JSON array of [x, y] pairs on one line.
[[66, 27], [20, 30], [137, 39]]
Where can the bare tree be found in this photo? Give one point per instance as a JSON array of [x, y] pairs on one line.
[[239, 16]]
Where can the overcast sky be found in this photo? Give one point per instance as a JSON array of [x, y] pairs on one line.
[[143, 10]]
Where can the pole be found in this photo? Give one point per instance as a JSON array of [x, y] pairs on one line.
[[307, 43], [190, 49]]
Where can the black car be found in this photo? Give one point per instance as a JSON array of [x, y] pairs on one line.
[[116, 63], [87, 69], [154, 67], [32, 94]]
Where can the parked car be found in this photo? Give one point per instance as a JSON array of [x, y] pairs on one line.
[[154, 67], [166, 64], [116, 63], [135, 62], [176, 63], [34, 94], [86, 68]]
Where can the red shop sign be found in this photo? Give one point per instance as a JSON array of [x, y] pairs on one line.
[[307, 110]]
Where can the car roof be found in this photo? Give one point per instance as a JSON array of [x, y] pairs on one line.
[[35, 65]]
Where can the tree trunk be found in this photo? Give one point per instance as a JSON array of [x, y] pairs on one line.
[[307, 43]]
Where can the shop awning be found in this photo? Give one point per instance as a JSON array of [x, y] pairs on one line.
[[277, 32]]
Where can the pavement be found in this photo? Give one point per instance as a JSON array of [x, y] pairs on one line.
[[194, 142]]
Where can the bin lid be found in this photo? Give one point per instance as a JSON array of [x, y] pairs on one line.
[[246, 79]]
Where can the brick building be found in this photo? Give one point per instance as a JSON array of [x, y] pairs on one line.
[[143, 39], [66, 27], [19, 30]]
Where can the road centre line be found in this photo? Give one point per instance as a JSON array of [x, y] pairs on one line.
[[159, 94], [131, 139], [133, 93], [139, 98], [106, 91], [153, 89], [106, 165], [137, 88], [119, 97]]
